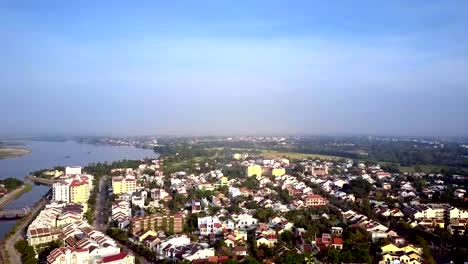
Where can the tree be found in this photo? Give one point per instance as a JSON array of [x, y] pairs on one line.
[[293, 258], [287, 237]]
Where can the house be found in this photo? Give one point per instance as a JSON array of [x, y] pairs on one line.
[[240, 251], [68, 255], [121, 258], [245, 221], [196, 206], [336, 231], [267, 240], [337, 243], [315, 200], [456, 229], [209, 225]]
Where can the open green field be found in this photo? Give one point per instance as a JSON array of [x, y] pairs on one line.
[[8, 152], [427, 168], [295, 155], [268, 153]]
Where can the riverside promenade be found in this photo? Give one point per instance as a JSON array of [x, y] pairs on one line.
[[8, 253], [11, 196]]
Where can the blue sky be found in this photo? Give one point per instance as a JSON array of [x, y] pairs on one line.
[[234, 67]]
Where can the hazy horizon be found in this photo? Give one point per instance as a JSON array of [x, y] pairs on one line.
[[246, 67]]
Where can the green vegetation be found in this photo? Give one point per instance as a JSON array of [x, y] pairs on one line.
[[296, 156], [43, 250], [28, 255], [359, 187], [11, 183], [92, 202]]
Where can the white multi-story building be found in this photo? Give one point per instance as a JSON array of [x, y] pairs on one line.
[[245, 221], [209, 225], [61, 192]]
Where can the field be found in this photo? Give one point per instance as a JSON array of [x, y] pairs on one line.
[[427, 168], [267, 153], [13, 152], [295, 155]]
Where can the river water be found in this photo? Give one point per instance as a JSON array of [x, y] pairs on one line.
[[47, 154]]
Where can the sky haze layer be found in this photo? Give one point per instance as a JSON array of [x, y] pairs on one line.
[[234, 67]]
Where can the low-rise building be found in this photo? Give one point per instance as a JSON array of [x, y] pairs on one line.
[[167, 223]]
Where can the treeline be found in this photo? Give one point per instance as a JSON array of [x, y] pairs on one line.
[[11, 183], [104, 168], [28, 255], [180, 152]]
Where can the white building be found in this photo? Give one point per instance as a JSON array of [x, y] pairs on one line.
[[201, 254], [245, 221], [67, 255], [455, 213], [173, 242], [73, 170], [209, 225], [61, 192]]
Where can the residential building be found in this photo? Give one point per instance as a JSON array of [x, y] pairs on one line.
[[170, 223], [79, 191], [120, 258], [72, 170], [455, 213], [254, 170], [314, 200], [123, 184], [209, 225], [278, 172], [68, 255], [61, 192]]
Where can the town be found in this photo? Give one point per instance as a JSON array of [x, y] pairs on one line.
[[244, 207]]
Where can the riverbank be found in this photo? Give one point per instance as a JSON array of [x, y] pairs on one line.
[[10, 152], [8, 253], [39, 180], [11, 196]]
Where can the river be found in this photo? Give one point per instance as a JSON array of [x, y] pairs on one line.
[[47, 154]]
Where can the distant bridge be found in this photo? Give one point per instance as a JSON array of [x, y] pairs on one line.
[[14, 213]]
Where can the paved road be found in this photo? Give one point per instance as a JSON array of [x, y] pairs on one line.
[[99, 215], [13, 256]]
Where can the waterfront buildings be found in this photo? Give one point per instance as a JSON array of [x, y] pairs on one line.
[[61, 192], [79, 191]]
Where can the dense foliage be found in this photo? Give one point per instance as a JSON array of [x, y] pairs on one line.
[[28, 255], [11, 183]]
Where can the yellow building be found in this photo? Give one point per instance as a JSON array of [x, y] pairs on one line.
[[278, 172], [223, 181], [254, 170], [123, 185], [79, 192], [146, 234], [406, 254]]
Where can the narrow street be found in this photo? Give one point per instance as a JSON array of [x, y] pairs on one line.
[[99, 215], [99, 221]]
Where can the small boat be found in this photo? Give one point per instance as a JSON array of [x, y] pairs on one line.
[[67, 157]]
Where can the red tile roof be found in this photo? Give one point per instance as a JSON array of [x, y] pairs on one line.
[[337, 241], [115, 257]]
